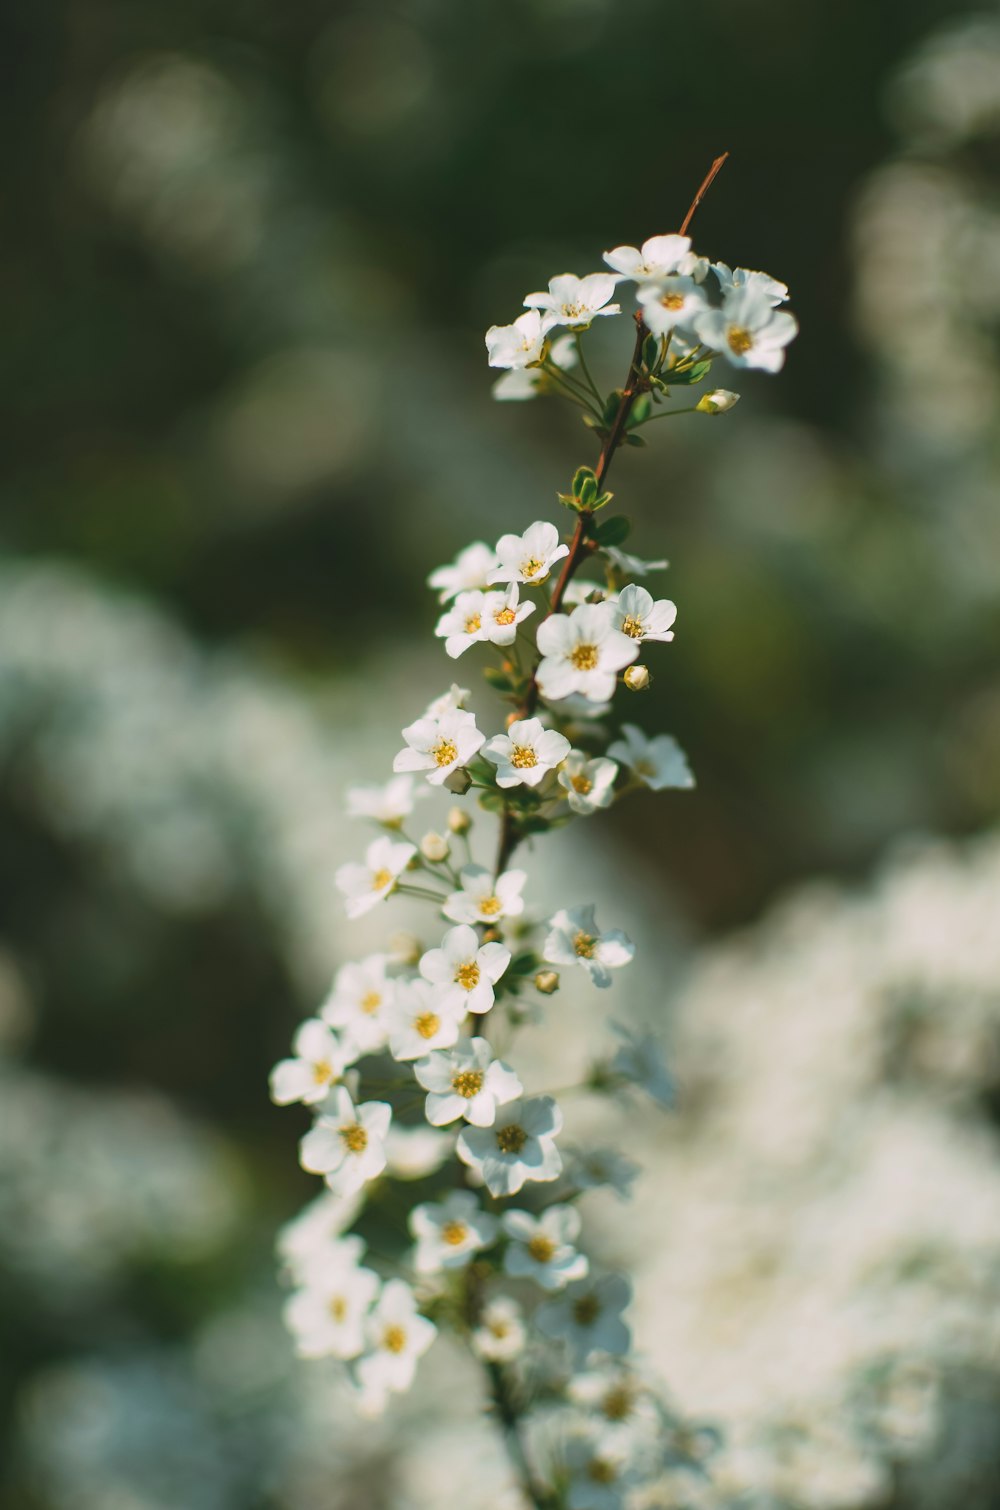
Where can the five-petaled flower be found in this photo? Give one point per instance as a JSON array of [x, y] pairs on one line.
[[748, 330], [589, 784], [671, 304], [470, 569], [574, 301], [518, 1147], [582, 652], [466, 1082], [347, 1142], [658, 257], [520, 344], [364, 886], [439, 744], [529, 557], [420, 1019], [640, 616], [320, 1061], [463, 972], [575, 939], [449, 1232], [658, 762], [358, 1001], [542, 1247], [485, 898], [327, 1316], [526, 753], [588, 1317], [397, 1337]]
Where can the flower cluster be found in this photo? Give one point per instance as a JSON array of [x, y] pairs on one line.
[[415, 1042]]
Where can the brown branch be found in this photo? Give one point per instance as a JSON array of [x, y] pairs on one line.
[[706, 184]]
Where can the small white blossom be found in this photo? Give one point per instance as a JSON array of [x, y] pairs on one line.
[[397, 1337], [578, 591], [364, 886], [575, 301], [502, 613], [529, 557], [346, 1143], [589, 784], [451, 701], [359, 1000], [640, 616], [501, 1335], [658, 762], [671, 303], [420, 1019], [327, 1317], [542, 1247], [521, 383], [658, 257], [632, 566], [463, 972], [614, 1393], [520, 1146], [748, 330], [439, 745], [582, 652], [461, 625], [321, 1059], [470, 569], [483, 899], [389, 802], [640, 1061], [774, 291], [602, 1168], [574, 939], [588, 1316], [467, 1082], [520, 344], [600, 1473], [526, 753], [309, 1242], [448, 1233]]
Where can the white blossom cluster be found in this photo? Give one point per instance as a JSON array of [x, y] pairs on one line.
[[415, 1040]]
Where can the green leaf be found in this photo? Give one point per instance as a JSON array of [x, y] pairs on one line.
[[614, 530], [640, 410], [493, 802], [680, 379], [650, 352], [523, 963], [634, 440], [581, 477], [498, 679], [611, 406]]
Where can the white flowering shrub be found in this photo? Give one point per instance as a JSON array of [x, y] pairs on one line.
[[419, 1043]]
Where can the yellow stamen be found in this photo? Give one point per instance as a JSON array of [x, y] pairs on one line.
[[511, 1139], [584, 657], [454, 1233], [355, 1138], [394, 1339], [523, 758], [445, 752], [617, 1403], [542, 1249], [532, 567], [381, 879], [740, 340], [584, 945], [427, 1024], [467, 976], [322, 1071], [633, 627], [490, 906], [467, 1083], [672, 301], [581, 784], [338, 1307], [473, 624], [504, 616], [370, 1002]]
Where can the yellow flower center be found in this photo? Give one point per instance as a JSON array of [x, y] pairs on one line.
[[532, 567], [600, 1471], [617, 1403], [490, 906], [473, 624], [322, 1071], [370, 1002], [581, 784], [672, 301], [542, 1249], [504, 616], [338, 1307], [584, 657], [740, 340], [355, 1138], [445, 752], [454, 1233], [632, 627], [467, 976], [499, 1329], [644, 768], [523, 757], [586, 1310], [394, 1339], [512, 1138], [584, 945], [381, 879], [467, 1083], [427, 1024]]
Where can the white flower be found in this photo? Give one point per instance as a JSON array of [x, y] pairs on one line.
[[638, 615], [659, 762], [542, 1247], [588, 1316], [471, 568], [673, 302], [397, 1337], [717, 401], [320, 1061], [529, 557], [520, 1146], [415, 1152], [526, 753], [631, 566], [519, 344], [582, 652], [747, 330], [502, 613], [364, 886], [455, 698], [327, 1317], [617, 1395], [462, 624], [577, 591], [589, 784], [420, 1019], [599, 1168], [346, 1144], [466, 1081], [774, 291], [575, 301], [449, 1233], [439, 744], [574, 939], [601, 1475], [463, 972], [500, 1336], [358, 1002], [658, 257], [310, 1240], [640, 1061], [524, 382], [389, 802], [483, 899]]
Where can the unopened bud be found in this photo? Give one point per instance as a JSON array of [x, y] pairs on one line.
[[637, 678], [547, 981], [405, 949], [434, 847], [717, 402], [458, 781], [459, 821]]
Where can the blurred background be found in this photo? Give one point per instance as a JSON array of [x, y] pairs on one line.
[[248, 258]]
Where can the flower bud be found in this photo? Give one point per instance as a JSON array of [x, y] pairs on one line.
[[637, 678], [434, 847], [547, 981], [459, 821], [405, 949], [458, 781], [717, 402]]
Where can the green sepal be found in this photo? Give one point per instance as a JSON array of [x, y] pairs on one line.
[[633, 440], [614, 530], [680, 378], [640, 410]]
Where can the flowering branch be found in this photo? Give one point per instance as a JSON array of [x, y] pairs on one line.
[[476, 1169]]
